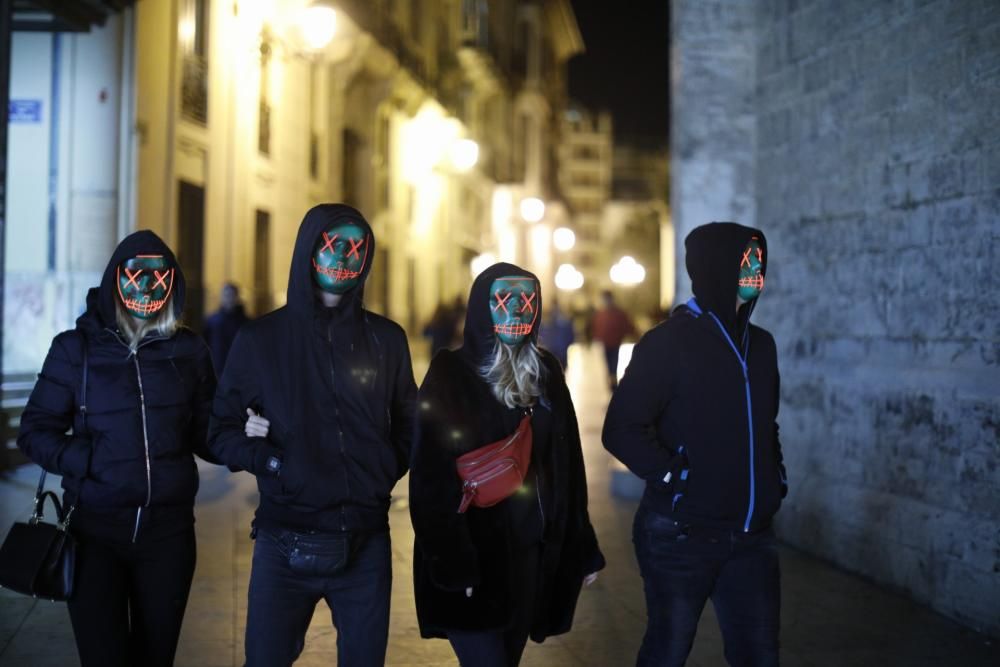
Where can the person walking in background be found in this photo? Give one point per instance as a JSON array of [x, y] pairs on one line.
[[488, 577], [443, 326], [136, 388], [695, 417], [222, 325], [611, 325], [556, 334], [320, 409]]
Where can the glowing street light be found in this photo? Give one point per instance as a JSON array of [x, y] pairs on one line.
[[464, 154], [481, 262], [318, 23], [563, 238], [627, 272], [568, 277], [532, 209]]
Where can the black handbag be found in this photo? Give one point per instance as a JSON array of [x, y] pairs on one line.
[[39, 558]]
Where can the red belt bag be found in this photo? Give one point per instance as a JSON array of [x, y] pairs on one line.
[[495, 471]]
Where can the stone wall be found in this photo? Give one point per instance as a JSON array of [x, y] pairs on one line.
[[876, 176]]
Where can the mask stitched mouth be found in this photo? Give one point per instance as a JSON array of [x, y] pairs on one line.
[[337, 273], [756, 282], [516, 329]]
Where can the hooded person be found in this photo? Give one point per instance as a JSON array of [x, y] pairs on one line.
[[695, 416], [488, 577], [136, 389], [316, 401]]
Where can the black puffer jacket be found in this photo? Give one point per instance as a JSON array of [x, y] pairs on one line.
[[337, 386], [131, 466], [458, 413]]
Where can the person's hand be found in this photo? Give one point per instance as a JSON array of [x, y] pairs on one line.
[[589, 579], [256, 426], [468, 592]]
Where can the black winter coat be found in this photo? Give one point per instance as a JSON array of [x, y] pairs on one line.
[[458, 413], [131, 467], [337, 386], [699, 399]]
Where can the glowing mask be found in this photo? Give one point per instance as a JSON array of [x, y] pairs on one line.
[[144, 284], [751, 280], [514, 308], [340, 257]]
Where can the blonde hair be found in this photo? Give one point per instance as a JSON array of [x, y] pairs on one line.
[[133, 330], [514, 373]]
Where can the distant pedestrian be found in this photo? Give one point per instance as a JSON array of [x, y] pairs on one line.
[[611, 325], [556, 334], [442, 328], [222, 325]]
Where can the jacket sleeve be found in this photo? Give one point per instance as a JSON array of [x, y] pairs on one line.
[[202, 406], [402, 410], [237, 391], [50, 411], [634, 411], [442, 534], [581, 530], [777, 443]]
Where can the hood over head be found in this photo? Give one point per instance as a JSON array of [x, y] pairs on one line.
[[478, 337], [712, 256], [301, 285], [101, 311]]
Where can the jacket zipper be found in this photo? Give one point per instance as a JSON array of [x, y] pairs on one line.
[[145, 436], [746, 385], [340, 432], [493, 454], [145, 443]]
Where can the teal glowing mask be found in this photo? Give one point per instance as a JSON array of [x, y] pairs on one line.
[[514, 308], [144, 285], [751, 280], [340, 257]]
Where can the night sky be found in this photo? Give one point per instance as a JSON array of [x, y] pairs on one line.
[[626, 66]]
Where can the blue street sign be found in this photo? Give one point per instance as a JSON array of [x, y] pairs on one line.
[[25, 111]]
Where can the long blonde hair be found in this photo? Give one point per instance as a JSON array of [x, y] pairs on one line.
[[165, 323], [514, 374]]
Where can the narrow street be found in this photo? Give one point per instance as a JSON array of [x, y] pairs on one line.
[[829, 618]]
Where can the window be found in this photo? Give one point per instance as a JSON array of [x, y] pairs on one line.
[[192, 37]]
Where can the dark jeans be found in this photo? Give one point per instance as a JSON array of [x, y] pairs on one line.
[[504, 648], [683, 566], [129, 599], [611, 359], [281, 602]]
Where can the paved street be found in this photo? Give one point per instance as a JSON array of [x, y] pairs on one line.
[[828, 617]]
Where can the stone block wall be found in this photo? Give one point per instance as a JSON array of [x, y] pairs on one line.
[[876, 176]]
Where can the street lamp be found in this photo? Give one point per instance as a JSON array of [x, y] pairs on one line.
[[464, 154], [627, 272], [563, 238], [481, 262], [318, 23], [568, 277], [532, 209]]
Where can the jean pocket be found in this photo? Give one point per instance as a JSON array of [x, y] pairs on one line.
[[319, 556], [661, 528]]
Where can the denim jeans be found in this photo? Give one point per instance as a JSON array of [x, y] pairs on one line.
[[683, 566], [282, 602]]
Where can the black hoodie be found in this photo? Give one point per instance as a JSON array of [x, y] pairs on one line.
[[337, 386], [146, 413], [458, 413], [700, 398]]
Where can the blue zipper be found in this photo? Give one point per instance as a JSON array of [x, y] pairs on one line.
[[746, 383]]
